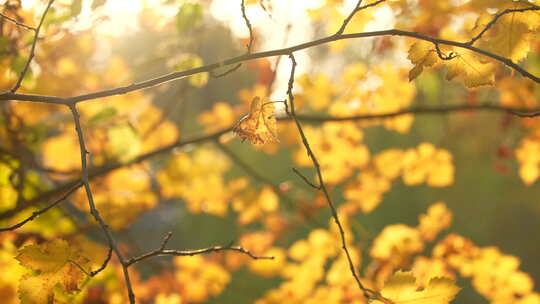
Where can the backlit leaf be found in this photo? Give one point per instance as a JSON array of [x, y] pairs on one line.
[[48, 257], [471, 69], [259, 126], [421, 54], [54, 263], [401, 288]]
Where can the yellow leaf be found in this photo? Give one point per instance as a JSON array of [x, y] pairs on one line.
[[317, 90], [269, 268], [528, 156], [259, 126], [199, 278], [8, 193], [47, 257], [62, 152], [35, 290], [220, 117], [397, 243], [471, 69], [401, 288], [421, 54], [513, 33], [168, 299], [122, 196], [124, 144], [438, 218], [198, 179], [55, 264], [429, 164], [367, 190]]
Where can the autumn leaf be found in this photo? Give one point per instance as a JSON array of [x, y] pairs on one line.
[[54, 263], [200, 278], [221, 116], [512, 35], [466, 66], [401, 288], [422, 54], [528, 156], [437, 218], [471, 69], [124, 143], [48, 257], [259, 126]]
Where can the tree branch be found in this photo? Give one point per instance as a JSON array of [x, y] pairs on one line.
[[499, 15], [104, 264], [18, 23], [93, 210], [248, 25], [41, 211], [348, 19], [246, 57], [368, 293], [32, 49], [249, 170], [162, 251], [248, 46], [520, 112]]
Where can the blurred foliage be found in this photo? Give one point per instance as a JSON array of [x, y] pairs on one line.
[[430, 202]]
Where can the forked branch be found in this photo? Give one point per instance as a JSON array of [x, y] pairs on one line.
[[162, 251], [32, 48], [368, 293]]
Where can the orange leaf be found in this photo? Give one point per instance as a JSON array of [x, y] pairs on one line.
[[259, 126]]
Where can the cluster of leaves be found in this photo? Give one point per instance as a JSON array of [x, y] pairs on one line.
[[140, 160]]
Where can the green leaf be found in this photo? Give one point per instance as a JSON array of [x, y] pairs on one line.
[[102, 115], [189, 15]]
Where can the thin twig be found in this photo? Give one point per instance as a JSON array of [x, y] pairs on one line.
[[79, 266], [93, 210], [41, 211], [368, 293], [497, 16], [348, 19], [354, 11], [249, 46], [32, 49], [306, 180], [18, 23], [104, 264], [162, 251], [520, 112], [442, 56], [248, 24], [249, 170], [245, 166], [227, 72]]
